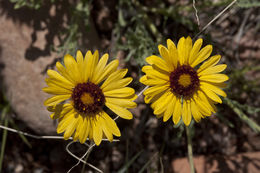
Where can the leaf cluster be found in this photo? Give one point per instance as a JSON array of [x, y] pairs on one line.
[[33, 4], [248, 3]]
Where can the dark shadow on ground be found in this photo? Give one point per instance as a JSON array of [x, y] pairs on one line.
[[52, 18], [240, 163], [49, 17]]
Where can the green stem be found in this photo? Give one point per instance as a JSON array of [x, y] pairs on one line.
[[4, 112], [190, 155]]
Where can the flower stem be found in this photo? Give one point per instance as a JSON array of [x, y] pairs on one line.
[[91, 146], [190, 155]]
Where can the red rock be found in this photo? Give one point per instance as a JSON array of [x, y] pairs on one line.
[[239, 163]]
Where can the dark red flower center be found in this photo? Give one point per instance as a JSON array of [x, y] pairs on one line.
[[88, 98], [184, 81]]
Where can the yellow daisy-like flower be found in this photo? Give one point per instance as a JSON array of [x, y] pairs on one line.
[[82, 89], [179, 87]]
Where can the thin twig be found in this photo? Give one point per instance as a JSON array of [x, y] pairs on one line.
[[196, 12], [142, 91], [30, 135], [87, 155], [215, 18], [240, 33], [41, 137], [81, 159]]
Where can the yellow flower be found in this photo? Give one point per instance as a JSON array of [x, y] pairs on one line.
[[82, 90], [179, 85]]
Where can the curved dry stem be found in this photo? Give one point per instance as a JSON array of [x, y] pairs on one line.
[[215, 18], [196, 12], [80, 159]]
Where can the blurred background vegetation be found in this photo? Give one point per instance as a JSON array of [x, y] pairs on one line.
[[131, 30]]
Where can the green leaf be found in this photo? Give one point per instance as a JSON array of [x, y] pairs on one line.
[[3, 143], [130, 162], [148, 163], [248, 3], [234, 106], [24, 139]]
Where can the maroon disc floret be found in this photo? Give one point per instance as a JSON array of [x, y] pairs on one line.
[[94, 91], [177, 88]]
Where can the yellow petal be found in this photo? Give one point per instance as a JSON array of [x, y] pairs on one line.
[[180, 48], [156, 74], [80, 62], [211, 62], [53, 83], [115, 76], [56, 99], [146, 68], [167, 57], [177, 111], [151, 82], [158, 62], [75, 136], [195, 50], [211, 94], [187, 49], [155, 90], [99, 70], [57, 79], [216, 78], [97, 132], [125, 103], [156, 94], [70, 129], [143, 79], [90, 63], [117, 84], [184, 47], [203, 104], [80, 58], [170, 108], [84, 131], [173, 55], [122, 112], [104, 127], [90, 134], [202, 55], [64, 73], [111, 125], [65, 122], [186, 112], [121, 92], [96, 57], [212, 105], [163, 103], [195, 112], [215, 89], [72, 68], [55, 90], [213, 70], [159, 116], [109, 69]]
